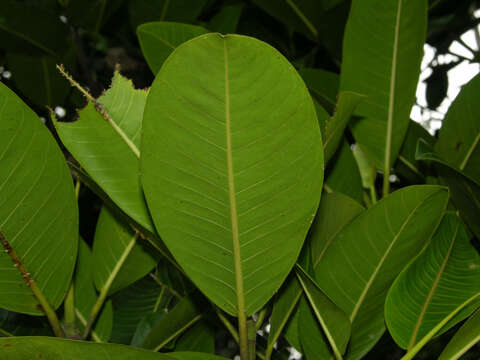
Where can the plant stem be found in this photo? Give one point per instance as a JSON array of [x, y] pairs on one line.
[[159, 300], [373, 194], [5, 333], [30, 282], [251, 336], [69, 313], [261, 317], [165, 286], [106, 287], [243, 333], [231, 329]]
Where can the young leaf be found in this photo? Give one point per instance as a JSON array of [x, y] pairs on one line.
[[323, 86], [334, 213], [371, 251], [107, 145], [334, 322], [212, 183], [36, 190], [428, 289], [226, 21], [406, 165], [86, 296], [343, 174], [119, 257], [158, 40], [367, 169], [466, 337], [384, 67], [39, 347], [459, 139], [334, 128]]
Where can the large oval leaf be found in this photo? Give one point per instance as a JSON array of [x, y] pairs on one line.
[[371, 251], [429, 289], [382, 51], [38, 211], [237, 174]]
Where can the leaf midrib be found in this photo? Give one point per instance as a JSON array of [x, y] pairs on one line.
[[470, 152], [231, 194], [391, 99], [432, 291]]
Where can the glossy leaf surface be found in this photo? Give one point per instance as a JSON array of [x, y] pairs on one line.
[[40, 229], [371, 251], [323, 86], [428, 289], [212, 182], [382, 50], [109, 149], [119, 256], [159, 39]]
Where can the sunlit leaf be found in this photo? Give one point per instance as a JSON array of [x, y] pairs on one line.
[[211, 186]]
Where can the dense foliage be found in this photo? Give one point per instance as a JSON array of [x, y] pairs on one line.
[[215, 178]]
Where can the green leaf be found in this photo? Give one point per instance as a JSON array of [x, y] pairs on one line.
[[108, 149], [465, 192], [119, 256], [334, 213], [175, 322], [459, 139], [323, 86], [200, 337], [371, 251], [444, 276], [226, 21], [314, 344], [31, 29], [134, 303], [90, 15], [86, 296], [334, 128], [164, 10], [181, 355], [465, 338], [158, 40], [382, 51], [300, 15], [40, 229], [367, 169], [343, 174], [15, 324], [406, 165], [334, 322], [47, 348], [212, 183]]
